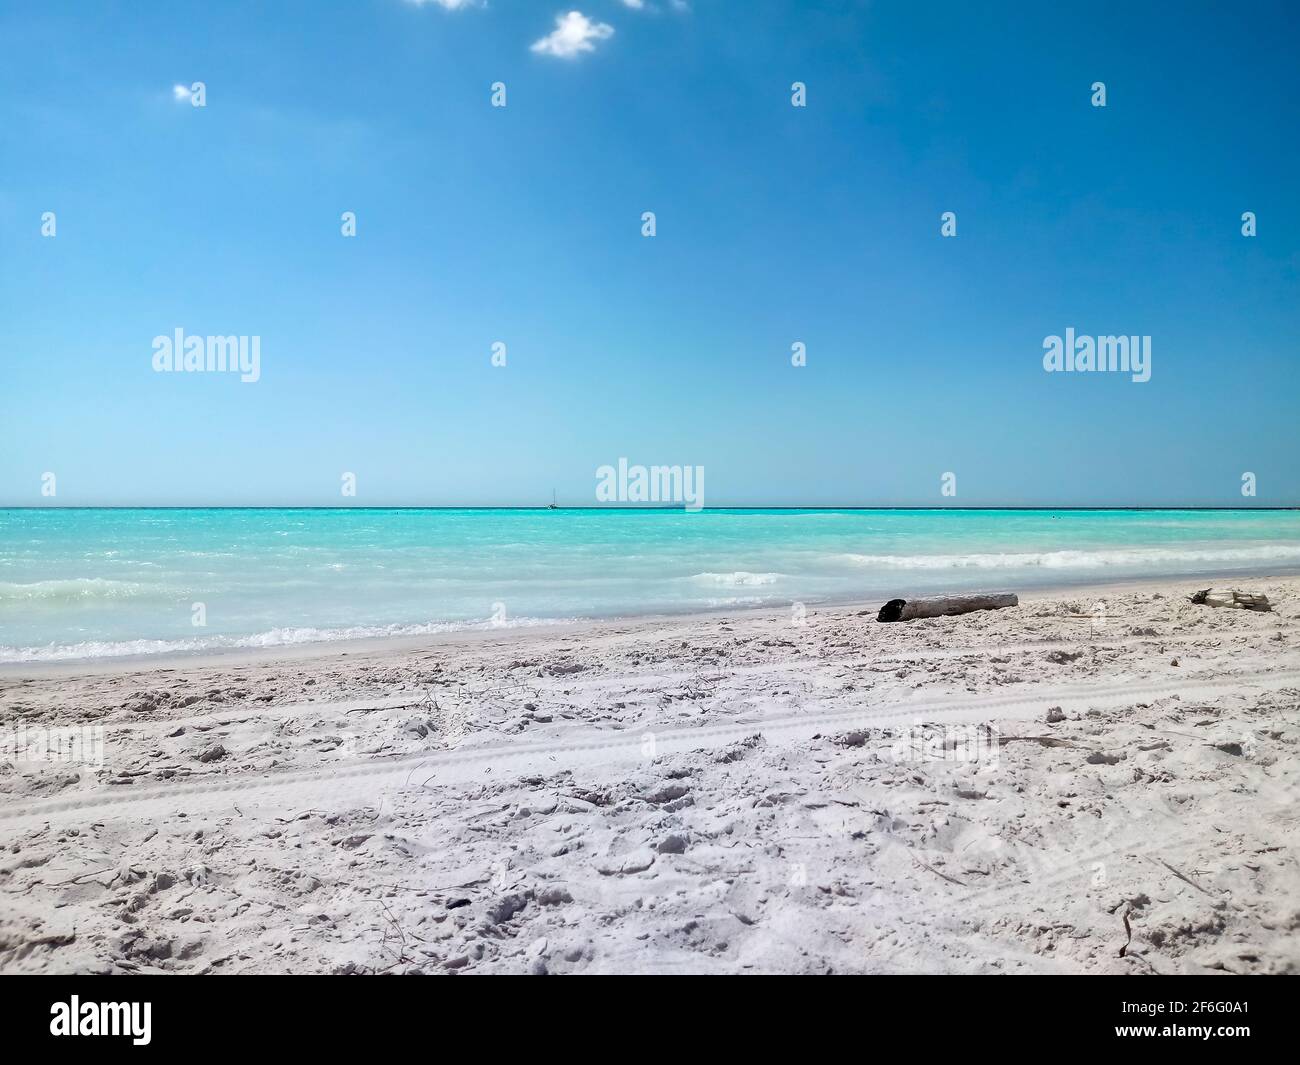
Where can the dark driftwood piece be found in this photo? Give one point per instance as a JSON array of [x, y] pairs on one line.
[[940, 605], [1231, 598]]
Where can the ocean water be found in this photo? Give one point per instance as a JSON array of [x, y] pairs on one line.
[[94, 583]]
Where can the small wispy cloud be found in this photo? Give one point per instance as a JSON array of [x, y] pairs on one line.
[[635, 5], [181, 92], [574, 34]]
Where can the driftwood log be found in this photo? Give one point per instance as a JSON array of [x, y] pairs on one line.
[[940, 605], [1232, 598]]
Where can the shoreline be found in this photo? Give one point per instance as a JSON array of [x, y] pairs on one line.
[[312, 649]]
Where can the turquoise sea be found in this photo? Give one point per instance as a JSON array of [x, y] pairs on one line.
[[92, 583]]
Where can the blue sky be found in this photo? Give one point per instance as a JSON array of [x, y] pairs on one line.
[[775, 224]]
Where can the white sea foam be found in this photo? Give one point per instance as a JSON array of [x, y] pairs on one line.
[[277, 637], [75, 588], [737, 579], [1119, 557]]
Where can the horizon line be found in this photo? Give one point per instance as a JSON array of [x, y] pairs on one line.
[[669, 509]]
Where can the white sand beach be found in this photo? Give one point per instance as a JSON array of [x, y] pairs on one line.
[[723, 793]]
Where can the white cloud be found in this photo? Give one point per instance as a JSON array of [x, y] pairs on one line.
[[574, 34], [181, 92], [635, 5]]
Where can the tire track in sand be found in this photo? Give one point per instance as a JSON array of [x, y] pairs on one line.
[[298, 789]]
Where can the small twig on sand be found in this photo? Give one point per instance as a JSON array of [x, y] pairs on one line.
[[1128, 930], [945, 876], [1044, 741], [1185, 879], [80, 876], [1174, 732], [296, 817], [402, 956]]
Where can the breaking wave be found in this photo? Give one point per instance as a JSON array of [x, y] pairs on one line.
[[277, 637], [74, 589], [739, 579], [1142, 557]]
